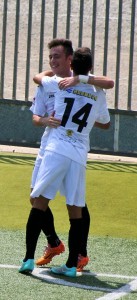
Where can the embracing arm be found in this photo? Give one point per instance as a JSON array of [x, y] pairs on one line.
[[46, 121], [102, 126], [103, 82], [39, 121], [38, 77]]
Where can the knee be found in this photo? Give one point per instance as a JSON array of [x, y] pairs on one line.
[[31, 201], [40, 203], [75, 212]]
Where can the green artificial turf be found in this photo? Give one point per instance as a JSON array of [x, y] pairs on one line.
[[107, 256], [111, 197], [110, 194]]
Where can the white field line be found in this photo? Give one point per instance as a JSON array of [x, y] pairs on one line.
[[109, 275], [49, 278], [9, 266], [113, 294], [123, 291], [84, 273]]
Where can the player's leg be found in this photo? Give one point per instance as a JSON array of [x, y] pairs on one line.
[[83, 259], [74, 183], [86, 226], [55, 246], [48, 227], [75, 235], [33, 229], [74, 241], [78, 200]]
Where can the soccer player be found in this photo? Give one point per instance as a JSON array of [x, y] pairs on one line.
[[63, 165], [60, 56]]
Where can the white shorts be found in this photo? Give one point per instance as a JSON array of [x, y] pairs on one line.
[[39, 158], [37, 165], [58, 172]]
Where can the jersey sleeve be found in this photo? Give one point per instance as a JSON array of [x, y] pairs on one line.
[[39, 102], [50, 84], [103, 116]]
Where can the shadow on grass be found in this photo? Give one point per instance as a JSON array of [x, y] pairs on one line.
[[90, 282], [17, 159], [91, 165], [112, 166]]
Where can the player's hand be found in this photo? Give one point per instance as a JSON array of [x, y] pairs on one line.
[[67, 82], [53, 122]]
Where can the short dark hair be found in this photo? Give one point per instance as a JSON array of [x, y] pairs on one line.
[[82, 61], [67, 44]]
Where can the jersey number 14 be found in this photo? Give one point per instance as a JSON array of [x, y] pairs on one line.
[[83, 111]]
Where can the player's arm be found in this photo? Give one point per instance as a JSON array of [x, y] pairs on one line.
[[102, 126], [39, 111], [49, 121], [49, 83], [103, 82], [38, 77]]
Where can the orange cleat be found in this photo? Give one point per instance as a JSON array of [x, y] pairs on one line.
[[82, 262], [49, 253]]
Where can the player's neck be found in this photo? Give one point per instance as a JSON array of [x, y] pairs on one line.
[[67, 73]]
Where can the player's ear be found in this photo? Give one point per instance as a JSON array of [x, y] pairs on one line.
[[71, 66], [70, 58]]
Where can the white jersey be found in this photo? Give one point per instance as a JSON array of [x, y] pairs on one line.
[[43, 102], [43, 105], [78, 108]]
